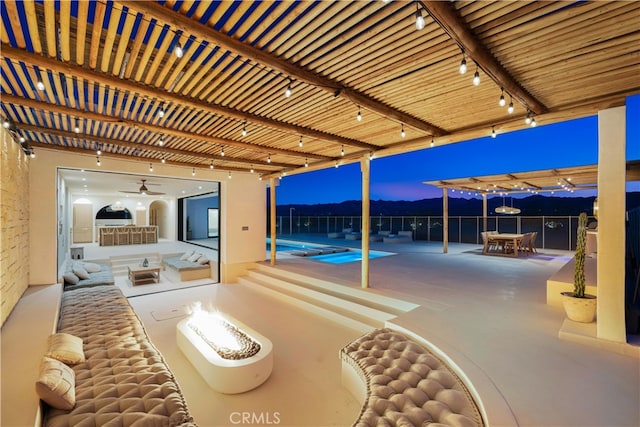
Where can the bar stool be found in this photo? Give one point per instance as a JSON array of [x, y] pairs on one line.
[[151, 235], [107, 237], [136, 236], [122, 236]]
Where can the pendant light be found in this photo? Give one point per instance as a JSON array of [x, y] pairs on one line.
[[502, 101], [476, 77], [359, 116], [510, 108], [402, 133], [463, 65]]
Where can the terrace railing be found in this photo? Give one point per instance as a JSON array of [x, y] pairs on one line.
[[554, 232]]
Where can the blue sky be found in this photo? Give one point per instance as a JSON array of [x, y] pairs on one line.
[[566, 144]]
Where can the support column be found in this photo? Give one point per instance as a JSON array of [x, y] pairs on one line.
[[365, 170], [484, 211], [611, 224], [272, 228], [445, 220]]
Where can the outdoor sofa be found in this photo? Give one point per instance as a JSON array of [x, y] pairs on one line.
[[188, 266], [114, 376], [80, 274]]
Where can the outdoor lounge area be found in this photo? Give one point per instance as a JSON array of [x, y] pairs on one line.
[[154, 156]]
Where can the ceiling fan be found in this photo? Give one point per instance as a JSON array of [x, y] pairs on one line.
[[144, 190]]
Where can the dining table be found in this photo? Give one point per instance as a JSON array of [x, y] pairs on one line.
[[505, 244]]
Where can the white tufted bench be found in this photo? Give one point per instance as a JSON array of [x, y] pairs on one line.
[[405, 384]]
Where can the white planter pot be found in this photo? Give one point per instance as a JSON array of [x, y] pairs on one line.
[[579, 309]]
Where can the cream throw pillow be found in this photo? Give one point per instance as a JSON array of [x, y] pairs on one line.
[[185, 256], [56, 384], [66, 348], [91, 267], [194, 257], [81, 272]]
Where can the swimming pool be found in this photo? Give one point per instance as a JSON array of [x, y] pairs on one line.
[[352, 256], [289, 246]]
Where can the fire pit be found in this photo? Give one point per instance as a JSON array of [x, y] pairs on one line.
[[229, 355]]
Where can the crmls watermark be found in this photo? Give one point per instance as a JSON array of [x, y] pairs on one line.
[[253, 418]]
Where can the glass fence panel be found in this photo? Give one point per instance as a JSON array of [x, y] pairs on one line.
[[554, 232]]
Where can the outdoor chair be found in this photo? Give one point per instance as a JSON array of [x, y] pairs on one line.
[[525, 244], [532, 243]]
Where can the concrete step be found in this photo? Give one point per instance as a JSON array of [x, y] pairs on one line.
[[359, 309]]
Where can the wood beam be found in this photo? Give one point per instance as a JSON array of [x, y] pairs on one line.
[[204, 32], [134, 88], [147, 147], [59, 109], [40, 145], [452, 23]]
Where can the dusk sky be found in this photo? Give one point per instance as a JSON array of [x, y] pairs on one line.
[[572, 143]]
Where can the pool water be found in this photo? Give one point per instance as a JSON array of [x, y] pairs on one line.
[[345, 257]]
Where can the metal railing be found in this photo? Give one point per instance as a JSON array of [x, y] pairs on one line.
[[554, 232]]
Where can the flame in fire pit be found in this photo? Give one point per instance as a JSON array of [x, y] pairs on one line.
[[223, 337]]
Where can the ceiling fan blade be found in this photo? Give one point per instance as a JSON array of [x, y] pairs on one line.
[[130, 192], [154, 193]]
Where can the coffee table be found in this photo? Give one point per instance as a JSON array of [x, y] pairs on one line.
[[139, 275]]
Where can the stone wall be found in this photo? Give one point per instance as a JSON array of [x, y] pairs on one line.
[[14, 223]]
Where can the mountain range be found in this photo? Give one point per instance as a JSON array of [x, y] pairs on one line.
[[534, 205]]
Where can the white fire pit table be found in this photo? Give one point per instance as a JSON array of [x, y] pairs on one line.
[[230, 356]]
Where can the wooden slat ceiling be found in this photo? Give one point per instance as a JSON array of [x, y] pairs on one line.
[[109, 68]]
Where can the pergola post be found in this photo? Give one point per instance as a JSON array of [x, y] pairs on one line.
[[445, 220], [365, 170], [484, 211], [272, 228], [611, 224]]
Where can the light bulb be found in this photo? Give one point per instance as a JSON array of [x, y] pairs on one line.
[[161, 113], [527, 119], [99, 152], [342, 151], [300, 143], [244, 130], [161, 142], [98, 161], [150, 167], [268, 158], [463, 66], [178, 51], [222, 152], [306, 163], [40, 85], [77, 127], [533, 122], [193, 172], [337, 164], [229, 174], [163, 160], [32, 154], [502, 101], [6, 124], [402, 132], [432, 142], [211, 165], [476, 78], [22, 138], [287, 93], [493, 132], [510, 108], [252, 171], [419, 18]]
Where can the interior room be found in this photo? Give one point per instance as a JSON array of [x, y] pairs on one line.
[[143, 145]]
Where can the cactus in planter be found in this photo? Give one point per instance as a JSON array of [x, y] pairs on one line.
[[581, 243]]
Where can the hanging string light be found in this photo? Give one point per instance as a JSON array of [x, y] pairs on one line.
[[193, 172], [269, 158], [432, 142], [163, 161], [161, 112], [150, 167], [244, 128], [402, 133], [493, 132], [76, 129], [419, 18], [287, 93], [527, 119], [229, 175], [510, 108], [502, 101], [342, 151], [306, 163], [359, 116], [178, 51], [533, 122], [40, 85], [463, 64], [251, 170], [476, 77], [222, 152], [211, 165], [98, 162], [161, 142], [98, 150], [300, 142]]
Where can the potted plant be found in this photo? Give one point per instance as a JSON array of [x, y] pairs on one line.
[[580, 307]]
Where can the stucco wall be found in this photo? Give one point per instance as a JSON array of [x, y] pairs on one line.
[[14, 230], [242, 204]]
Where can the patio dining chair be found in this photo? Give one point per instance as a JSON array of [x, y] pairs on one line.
[[532, 243]]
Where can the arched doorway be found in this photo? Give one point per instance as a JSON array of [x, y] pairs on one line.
[[159, 215]]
